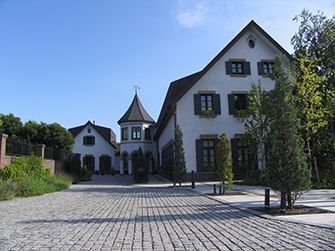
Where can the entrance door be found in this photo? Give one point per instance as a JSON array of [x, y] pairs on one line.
[[88, 161], [105, 164]]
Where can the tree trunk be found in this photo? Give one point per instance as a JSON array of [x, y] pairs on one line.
[[289, 200]]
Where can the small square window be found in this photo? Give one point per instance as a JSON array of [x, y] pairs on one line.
[[237, 68], [89, 140], [267, 67]]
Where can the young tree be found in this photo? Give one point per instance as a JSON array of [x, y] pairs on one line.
[[179, 163], [258, 127], [224, 170], [308, 98], [287, 169]]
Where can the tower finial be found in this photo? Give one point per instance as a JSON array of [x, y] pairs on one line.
[[136, 87]]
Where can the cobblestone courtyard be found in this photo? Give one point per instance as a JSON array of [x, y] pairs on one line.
[[103, 217]]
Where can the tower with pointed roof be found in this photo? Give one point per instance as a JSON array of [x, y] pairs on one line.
[[136, 127]]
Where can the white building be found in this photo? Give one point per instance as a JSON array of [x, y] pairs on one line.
[[136, 131], [222, 87], [96, 144]]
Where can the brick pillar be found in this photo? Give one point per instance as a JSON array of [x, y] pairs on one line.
[[40, 150], [3, 139]]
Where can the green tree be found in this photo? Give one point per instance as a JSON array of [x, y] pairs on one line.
[[31, 130], [179, 163], [224, 170], [58, 137], [308, 98], [258, 127], [11, 125], [314, 45], [287, 169]]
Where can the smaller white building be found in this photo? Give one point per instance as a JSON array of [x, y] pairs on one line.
[[136, 131], [96, 144]]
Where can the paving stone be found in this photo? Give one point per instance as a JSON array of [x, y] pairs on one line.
[[107, 217]]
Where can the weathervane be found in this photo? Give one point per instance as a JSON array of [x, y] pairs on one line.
[[136, 87]]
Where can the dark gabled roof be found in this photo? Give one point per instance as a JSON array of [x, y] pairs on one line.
[[179, 87], [103, 131], [136, 113]]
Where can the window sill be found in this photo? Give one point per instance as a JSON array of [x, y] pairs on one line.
[[208, 117], [265, 76], [239, 75], [244, 116]]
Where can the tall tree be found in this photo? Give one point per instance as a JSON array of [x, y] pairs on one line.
[[224, 170], [179, 162], [258, 127], [287, 169], [314, 43], [308, 98]]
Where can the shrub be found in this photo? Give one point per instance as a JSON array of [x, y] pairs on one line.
[[73, 167], [65, 177], [7, 189], [24, 167]]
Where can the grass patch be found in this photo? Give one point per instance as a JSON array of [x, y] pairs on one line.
[[38, 186], [34, 186]]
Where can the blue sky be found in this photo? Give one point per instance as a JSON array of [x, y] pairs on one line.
[[70, 61]]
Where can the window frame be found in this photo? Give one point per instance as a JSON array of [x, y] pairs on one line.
[[236, 66], [147, 133], [233, 108], [234, 63], [125, 133], [137, 131], [265, 63], [89, 140], [216, 103], [208, 104], [208, 150]]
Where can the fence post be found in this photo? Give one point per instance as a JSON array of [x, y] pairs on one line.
[[267, 198], [40, 150], [192, 178], [3, 139]]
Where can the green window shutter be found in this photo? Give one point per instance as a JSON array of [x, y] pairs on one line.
[[197, 104], [84, 140], [200, 157], [93, 140], [228, 67], [231, 103], [247, 68], [100, 161], [234, 152], [93, 163], [109, 164], [260, 68], [217, 104]]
